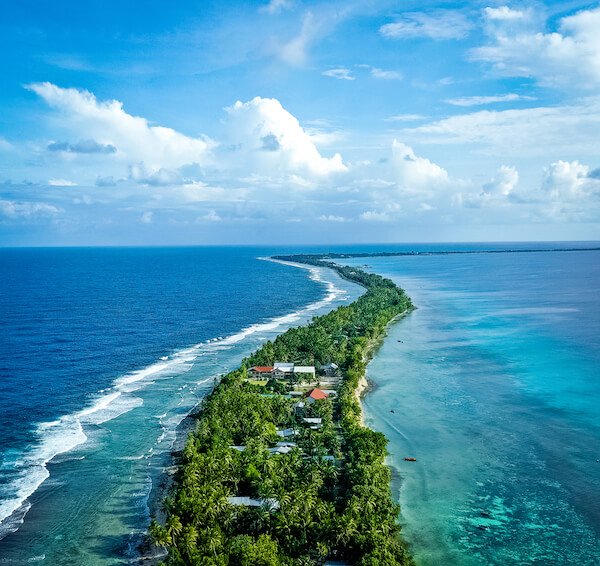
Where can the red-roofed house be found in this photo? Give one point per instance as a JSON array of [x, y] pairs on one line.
[[261, 372], [316, 395]]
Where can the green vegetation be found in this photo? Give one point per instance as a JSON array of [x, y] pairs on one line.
[[328, 495]]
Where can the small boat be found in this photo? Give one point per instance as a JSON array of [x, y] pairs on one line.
[[392, 411], [410, 459], [400, 341]]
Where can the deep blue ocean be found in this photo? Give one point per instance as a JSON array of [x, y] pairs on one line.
[[495, 388]]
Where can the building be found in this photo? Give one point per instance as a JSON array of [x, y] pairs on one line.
[[283, 370], [314, 422], [271, 504], [261, 372], [286, 433], [315, 395], [330, 369]]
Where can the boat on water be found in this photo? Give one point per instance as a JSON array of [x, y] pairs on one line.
[[410, 459]]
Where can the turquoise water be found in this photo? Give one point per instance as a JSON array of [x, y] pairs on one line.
[[493, 384]]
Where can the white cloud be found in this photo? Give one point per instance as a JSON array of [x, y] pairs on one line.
[[405, 118], [157, 178], [211, 216], [25, 210], [147, 217], [414, 173], [332, 218], [339, 73], [504, 13], [568, 57], [374, 216], [496, 191], [438, 25], [61, 183], [526, 132], [386, 75], [480, 100], [295, 51], [570, 181], [296, 152], [276, 6], [503, 183], [135, 139]]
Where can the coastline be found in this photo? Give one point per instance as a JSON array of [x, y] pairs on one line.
[[348, 335]]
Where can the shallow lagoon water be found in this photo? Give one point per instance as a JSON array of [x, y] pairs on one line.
[[493, 384]]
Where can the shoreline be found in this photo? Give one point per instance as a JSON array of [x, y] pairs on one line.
[[146, 552], [348, 336]]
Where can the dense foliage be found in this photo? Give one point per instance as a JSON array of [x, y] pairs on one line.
[[329, 496]]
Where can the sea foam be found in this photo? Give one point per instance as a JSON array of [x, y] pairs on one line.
[[64, 434]]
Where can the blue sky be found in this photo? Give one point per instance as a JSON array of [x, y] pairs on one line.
[[298, 122]]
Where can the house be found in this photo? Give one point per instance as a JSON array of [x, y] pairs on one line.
[[283, 370], [280, 450], [238, 448], [286, 433], [261, 372], [330, 392], [314, 422], [315, 395], [330, 369], [271, 503], [288, 370]]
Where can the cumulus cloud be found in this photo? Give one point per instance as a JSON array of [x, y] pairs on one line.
[[147, 217], [157, 178], [414, 173], [568, 57], [437, 25], [503, 183], [339, 73], [497, 191], [264, 118], [82, 146], [109, 124], [26, 210], [480, 100], [570, 181]]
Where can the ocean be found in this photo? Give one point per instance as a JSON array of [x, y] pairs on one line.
[[103, 354], [493, 385]]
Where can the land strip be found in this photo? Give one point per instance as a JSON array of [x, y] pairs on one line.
[[280, 469]]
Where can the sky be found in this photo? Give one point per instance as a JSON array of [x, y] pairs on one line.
[[298, 122]]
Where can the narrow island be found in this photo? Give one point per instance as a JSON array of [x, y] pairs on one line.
[[280, 469]]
